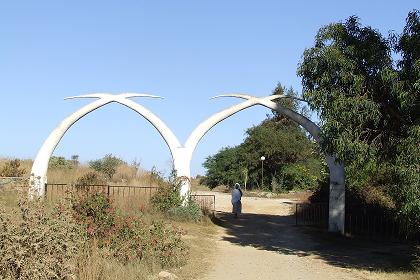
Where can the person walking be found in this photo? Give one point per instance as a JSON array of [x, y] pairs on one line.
[[236, 200]]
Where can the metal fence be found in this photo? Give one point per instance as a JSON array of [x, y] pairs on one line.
[[359, 221], [314, 214], [207, 202], [125, 195], [137, 195], [365, 221]]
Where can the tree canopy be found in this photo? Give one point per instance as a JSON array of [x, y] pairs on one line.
[[106, 165], [365, 88]]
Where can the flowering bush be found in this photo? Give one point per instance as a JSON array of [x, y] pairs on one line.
[[42, 242], [129, 237], [39, 243]]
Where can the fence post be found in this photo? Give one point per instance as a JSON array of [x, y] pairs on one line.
[[107, 192]]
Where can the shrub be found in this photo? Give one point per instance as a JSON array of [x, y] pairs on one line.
[[297, 176], [107, 165], [155, 242], [168, 200], [39, 244], [129, 238], [60, 162], [96, 212], [42, 242], [189, 212], [12, 168], [91, 178], [168, 195]]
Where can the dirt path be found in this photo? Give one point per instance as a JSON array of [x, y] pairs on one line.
[[264, 244]]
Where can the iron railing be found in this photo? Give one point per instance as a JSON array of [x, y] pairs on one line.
[[136, 194], [359, 221], [314, 214], [364, 221], [140, 194], [207, 202]]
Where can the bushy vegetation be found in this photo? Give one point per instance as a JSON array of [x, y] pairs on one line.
[[12, 168], [191, 211], [61, 162], [40, 241], [168, 200], [167, 196], [128, 237], [365, 88], [76, 173], [107, 165], [91, 178]]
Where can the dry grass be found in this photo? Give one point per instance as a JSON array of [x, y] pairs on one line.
[[99, 264], [26, 164], [201, 241], [66, 175], [126, 175]]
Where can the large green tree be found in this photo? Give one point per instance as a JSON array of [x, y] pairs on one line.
[[365, 88]]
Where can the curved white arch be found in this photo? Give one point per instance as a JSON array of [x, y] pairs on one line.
[[337, 172], [40, 165], [206, 125]]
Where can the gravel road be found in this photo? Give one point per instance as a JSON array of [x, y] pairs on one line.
[[264, 244]]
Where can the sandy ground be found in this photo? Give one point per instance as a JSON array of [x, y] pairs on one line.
[[264, 243]]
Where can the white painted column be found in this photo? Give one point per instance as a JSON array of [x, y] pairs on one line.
[[182, 161]]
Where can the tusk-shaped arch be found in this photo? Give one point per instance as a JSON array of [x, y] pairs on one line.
[[337, 173], [336, 168], [166, 133], [246, 96], [207, 124], [40, 165], [108, 95]]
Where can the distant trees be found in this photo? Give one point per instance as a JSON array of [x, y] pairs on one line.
[[107, 165], [284, 144], [75, 160], [60, 162]]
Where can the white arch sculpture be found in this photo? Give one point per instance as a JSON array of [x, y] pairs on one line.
[[336, 211], [40, 166], [182, 154]]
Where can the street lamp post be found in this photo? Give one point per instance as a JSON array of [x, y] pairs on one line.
[[262, 171]]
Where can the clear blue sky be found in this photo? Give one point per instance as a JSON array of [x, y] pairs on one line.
[[185, 51]]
